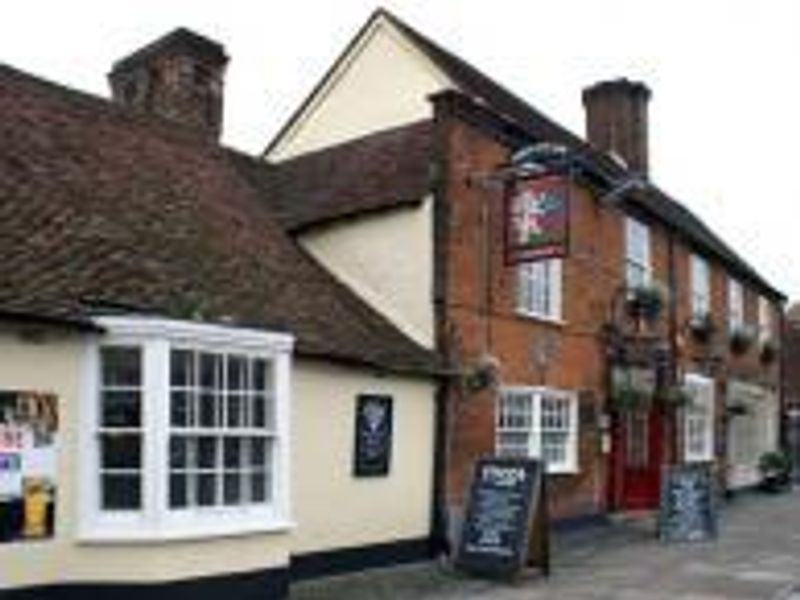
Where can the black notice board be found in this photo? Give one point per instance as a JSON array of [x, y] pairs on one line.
[[688, 508], [505, 526], [373, 443]]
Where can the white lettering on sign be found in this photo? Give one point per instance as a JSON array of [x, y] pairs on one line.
[[503, 476]]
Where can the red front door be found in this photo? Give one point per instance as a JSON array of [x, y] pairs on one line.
[[636, 457]]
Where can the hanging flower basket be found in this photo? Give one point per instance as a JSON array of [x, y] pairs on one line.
[[741, 339], [626, 398], [769, 351], [646, 302], [674, 396], [702, 327], [484, 373]]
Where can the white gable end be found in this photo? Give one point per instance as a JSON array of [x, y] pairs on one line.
[[383, 82]]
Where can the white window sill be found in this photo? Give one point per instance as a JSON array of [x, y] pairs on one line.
[[102, 534], [562, 470], [549, 320]]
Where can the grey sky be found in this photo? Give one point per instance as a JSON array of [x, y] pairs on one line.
[[724, 118]]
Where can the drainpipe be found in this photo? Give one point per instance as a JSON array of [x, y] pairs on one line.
[[672, 282]]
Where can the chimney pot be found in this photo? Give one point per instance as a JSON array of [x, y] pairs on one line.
[[616, 120]]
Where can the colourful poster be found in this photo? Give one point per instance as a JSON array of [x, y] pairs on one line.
[[28, 457]]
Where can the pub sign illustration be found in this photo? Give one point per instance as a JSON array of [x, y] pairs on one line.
[[28, 442], [537, 219]]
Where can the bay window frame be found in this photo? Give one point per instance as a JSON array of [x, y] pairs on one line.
[[155, 520]]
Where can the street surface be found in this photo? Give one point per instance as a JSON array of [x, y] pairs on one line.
[[756, 557]]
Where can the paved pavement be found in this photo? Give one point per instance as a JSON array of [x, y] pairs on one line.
[[756, 557]]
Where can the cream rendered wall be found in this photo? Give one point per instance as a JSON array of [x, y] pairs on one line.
[[384, 82], [55, 365], [332, 508], [387, 259]]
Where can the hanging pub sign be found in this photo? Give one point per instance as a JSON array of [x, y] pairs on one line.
[[537, 218]]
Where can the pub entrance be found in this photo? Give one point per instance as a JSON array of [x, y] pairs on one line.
[[637, 455]]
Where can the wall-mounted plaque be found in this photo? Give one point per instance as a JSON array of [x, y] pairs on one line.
[[505, 526], [373, 443], [688, 508]]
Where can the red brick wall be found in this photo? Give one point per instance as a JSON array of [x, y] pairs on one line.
[[592, 273]]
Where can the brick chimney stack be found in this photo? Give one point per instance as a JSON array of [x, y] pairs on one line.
[[179, 77], [616, 120]]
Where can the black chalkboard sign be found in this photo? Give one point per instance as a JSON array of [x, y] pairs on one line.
[[373, 443], [505, 525], [688, 511]]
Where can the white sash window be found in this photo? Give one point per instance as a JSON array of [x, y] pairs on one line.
[[638, 267], [699, 419], [539, 289]]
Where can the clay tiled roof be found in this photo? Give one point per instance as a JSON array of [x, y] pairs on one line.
[[104, 209], [384, 170]]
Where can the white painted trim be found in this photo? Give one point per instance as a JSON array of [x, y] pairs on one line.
[[155, 521]]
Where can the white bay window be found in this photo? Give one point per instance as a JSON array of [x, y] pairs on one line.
[[190, 427], [539, 423]]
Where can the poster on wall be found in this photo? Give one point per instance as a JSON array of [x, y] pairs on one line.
[[28, 442], [537, 219], [373, 448]]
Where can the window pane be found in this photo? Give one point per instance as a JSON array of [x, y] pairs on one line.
[[206, 452], [232, 453], [208, 409], [120, 492], [237, 373], [261, 375], [210, 370], [206, 489], [258, 486], [121, 409], [258, 451], [182, 368], [180, 409], [232, 493], [259, 415], [120, 451], [178, 452], [121, 366], [513, 443], [235, 407], [177, 490]]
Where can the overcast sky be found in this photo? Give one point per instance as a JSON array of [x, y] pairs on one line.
[[724, 117]]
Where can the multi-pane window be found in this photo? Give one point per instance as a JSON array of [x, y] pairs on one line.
[[638, 269], [540, 423], [539, 288], [735, 305], [188, 425], [699, 419], [119, 428], [221, 429], [700, 287]]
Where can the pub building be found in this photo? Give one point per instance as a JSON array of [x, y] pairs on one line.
[[220, 373], [586, 318]]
